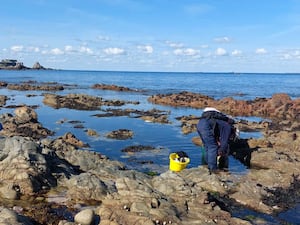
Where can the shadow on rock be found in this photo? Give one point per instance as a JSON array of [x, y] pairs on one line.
[[241, 150]]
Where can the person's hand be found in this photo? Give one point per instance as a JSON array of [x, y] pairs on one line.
[[220, 152]]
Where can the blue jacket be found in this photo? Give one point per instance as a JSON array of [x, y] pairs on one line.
[[222, 134]]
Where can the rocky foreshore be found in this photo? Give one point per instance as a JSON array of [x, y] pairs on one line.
[[46, 180]]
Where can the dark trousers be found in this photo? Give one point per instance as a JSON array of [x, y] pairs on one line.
[[223, 161], [210, 145]]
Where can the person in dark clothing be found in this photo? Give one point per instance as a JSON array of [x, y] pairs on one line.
[[215, 131]]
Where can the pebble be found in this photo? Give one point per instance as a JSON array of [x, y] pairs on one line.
[[84, 217]]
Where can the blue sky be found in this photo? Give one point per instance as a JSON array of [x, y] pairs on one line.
[[153, 35]]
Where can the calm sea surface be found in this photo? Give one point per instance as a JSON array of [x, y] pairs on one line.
[[165, 138]]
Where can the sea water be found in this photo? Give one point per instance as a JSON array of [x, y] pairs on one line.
[[165, 138]]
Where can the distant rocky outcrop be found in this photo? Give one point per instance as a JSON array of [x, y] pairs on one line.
[[38, 66], [12, 64]]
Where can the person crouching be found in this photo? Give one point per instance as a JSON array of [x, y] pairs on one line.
[[215, 131]]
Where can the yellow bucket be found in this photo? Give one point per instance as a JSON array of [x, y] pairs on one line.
[[175, 164]]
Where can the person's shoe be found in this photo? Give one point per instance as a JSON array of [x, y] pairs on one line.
[[225, 169], [215, 171]]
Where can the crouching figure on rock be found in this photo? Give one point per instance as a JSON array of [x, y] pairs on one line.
[[216, 130]]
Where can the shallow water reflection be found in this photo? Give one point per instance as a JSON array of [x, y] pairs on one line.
[[292, 216]]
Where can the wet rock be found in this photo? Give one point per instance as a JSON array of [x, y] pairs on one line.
[[156, 119], [120, 134], [197, 141], [3, 99], [80, 101], [3, 84], [25, 114], [73, 101], [72, 140], [91, 132], [113, 87], [137, 148], [24, 123], [153, 115], [184, 98], [188, 123], [35, 87], [115, 112], [279, 106]]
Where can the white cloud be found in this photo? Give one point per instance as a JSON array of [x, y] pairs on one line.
[[174, 45], [292, 54], [261, 51], [103, 38], [287, 56], [21, 48], [114, 51], [17, 48], [204, 46], [296, 53], [186, 52], [56, 51], [221, 52], [33, 49], [69, 48], [222, 39], [236, 52], [146, 48], [85, 50]]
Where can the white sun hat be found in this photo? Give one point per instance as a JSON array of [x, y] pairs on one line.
[[210, 109]]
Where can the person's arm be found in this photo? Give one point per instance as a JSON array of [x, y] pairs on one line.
[[225, 132]]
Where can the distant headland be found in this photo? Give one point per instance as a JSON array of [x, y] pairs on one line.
[[12, 64]]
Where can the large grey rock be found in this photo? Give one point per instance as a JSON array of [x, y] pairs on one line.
[[86, 187], [22, 166]]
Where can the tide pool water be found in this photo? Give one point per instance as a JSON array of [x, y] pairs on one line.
[[165, 138]]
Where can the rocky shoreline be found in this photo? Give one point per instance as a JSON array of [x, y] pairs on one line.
[[12, 64], [46, 180]]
